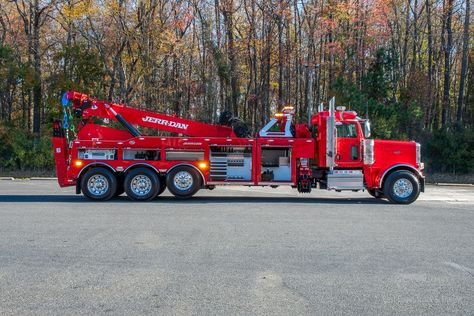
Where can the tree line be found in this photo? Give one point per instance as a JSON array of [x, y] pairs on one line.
[[406, 64]]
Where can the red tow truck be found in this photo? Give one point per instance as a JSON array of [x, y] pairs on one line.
[[332, 151]]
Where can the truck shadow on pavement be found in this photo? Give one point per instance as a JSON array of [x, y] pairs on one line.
[[194, 200]]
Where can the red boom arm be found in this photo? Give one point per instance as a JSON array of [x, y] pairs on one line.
[[88, 107]]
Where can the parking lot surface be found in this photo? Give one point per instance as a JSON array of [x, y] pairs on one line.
[[235, 250]]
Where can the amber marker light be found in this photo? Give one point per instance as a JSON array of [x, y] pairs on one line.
[[203, 165], [78, 163], [279, 114]]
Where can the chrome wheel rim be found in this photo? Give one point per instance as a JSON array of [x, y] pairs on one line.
[[403, 188], [183, 180], [98, 185], [141, 185]]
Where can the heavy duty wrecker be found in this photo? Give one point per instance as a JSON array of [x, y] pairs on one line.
[[332, 151]]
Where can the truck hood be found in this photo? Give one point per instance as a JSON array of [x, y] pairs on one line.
[[391, 152]]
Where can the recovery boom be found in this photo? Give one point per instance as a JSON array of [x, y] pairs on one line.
[[86, 107]]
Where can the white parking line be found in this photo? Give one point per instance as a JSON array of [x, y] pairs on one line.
[[460, 267]]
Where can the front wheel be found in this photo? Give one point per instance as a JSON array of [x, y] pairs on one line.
[[402, 187], [183, 181]]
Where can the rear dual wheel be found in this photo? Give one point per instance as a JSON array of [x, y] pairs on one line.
[[99, 184], [162, 186], [142, 184]]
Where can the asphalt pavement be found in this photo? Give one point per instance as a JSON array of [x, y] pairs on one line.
[[235, 250]]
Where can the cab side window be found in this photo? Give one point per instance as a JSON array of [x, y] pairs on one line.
[[314, 131], [346, 130]]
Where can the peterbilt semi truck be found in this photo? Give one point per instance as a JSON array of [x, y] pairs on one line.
[[332, 151]]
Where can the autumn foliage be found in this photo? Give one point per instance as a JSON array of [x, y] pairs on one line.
[[408, 65]]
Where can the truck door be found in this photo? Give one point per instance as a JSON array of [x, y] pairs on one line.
[[348, 145]]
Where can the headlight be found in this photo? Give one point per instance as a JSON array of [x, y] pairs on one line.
[[369, 152], [418, 154]]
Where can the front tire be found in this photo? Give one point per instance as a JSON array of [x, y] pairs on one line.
[[142, 184], [183, 181], [402, 187], [99, 184]]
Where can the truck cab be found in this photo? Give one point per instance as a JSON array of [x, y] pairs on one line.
[[353, 161]]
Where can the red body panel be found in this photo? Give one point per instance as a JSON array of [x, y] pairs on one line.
[[388, 154], [300, 148], [61, 159], [92, 131], [346, 147]]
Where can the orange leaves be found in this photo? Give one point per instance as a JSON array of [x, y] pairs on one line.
[[183, 21], [283, 9], [347, 24]]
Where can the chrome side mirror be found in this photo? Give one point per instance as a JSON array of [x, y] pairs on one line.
[[366, 129]]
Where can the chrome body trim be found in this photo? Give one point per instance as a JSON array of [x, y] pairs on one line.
[[92, 164], [406, 166], [142, 164], [418, 154], [192, 166], [231, 183]]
